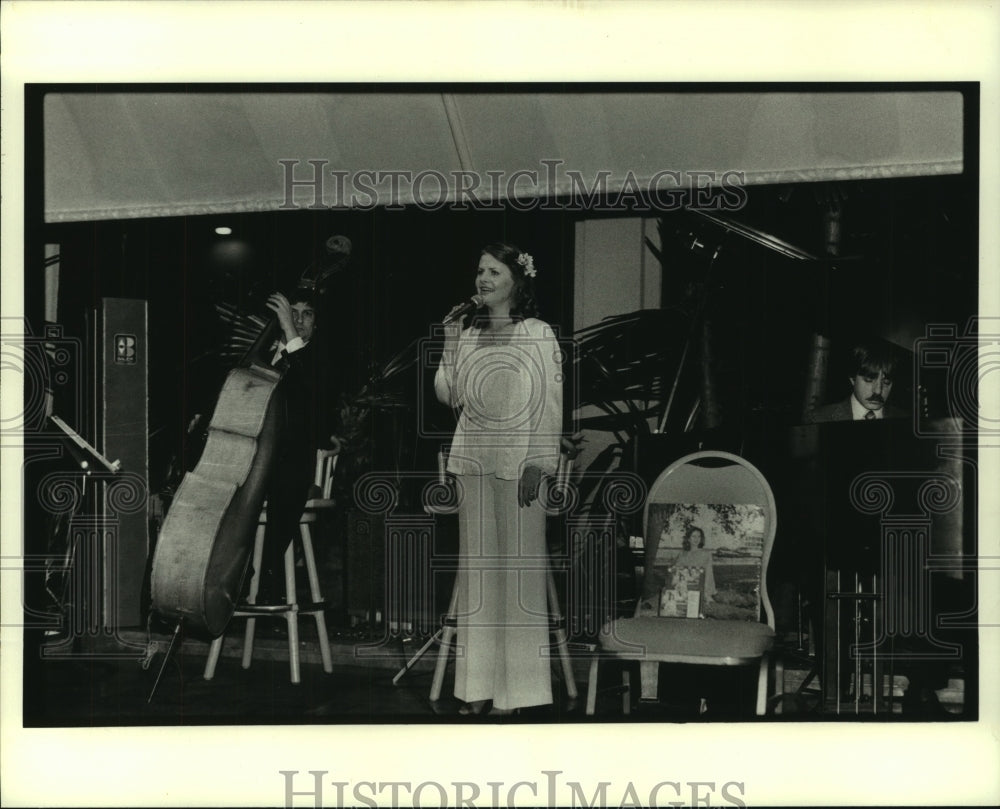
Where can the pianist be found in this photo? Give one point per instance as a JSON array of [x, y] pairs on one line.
[[871, 383]]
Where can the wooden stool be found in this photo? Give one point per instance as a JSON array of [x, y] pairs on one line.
[[291, 609]]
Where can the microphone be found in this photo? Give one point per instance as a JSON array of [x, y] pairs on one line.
[[463, 309]]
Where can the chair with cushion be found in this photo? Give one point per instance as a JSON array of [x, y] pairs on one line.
[[706, 606]]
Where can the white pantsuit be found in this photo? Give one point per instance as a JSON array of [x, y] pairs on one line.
[[502, 609], [510, 402]]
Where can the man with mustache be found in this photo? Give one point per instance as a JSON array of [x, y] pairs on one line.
[[871, 383]]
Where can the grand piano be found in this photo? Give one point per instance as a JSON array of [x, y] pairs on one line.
[[875, 555]]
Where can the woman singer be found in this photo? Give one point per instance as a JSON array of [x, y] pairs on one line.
[[502, 374]]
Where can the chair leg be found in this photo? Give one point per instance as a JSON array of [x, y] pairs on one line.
[[248, 633], [251, 625], [561, 641], [567, 664], [762, 685], [649, 672], [292, 616], [213, 657], [324, 643], [258, 555], [626, 691], [447, 636], [316, 596], [592, 685], [779, 683]]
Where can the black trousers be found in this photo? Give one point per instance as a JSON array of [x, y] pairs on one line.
[[288, 488]]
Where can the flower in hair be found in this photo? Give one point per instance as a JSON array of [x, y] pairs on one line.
[[526, 261]]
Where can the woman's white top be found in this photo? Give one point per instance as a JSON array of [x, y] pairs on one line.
[[510, 400]]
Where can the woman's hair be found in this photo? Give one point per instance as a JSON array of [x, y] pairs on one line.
[[687, 537], [523, 304]]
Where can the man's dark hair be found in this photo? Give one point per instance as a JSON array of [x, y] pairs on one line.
[[303, 295], [868, 358]]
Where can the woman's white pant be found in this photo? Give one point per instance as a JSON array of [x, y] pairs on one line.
[[503, 625]]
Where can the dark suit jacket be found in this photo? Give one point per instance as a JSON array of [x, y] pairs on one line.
[[307, 423], [306, 408], [841, 411]]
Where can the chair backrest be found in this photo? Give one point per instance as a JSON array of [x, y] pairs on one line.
[[326, 463], [731, 503]]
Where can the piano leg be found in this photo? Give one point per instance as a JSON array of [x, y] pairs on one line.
[[831, 676], [852, 679]]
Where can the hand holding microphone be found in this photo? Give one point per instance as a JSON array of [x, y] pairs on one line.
[[453, 329], [462, 309]]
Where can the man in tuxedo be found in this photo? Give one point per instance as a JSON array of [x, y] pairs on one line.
[[871, 382], [305, 427]]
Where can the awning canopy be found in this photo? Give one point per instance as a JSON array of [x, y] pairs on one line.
[[112, 155]]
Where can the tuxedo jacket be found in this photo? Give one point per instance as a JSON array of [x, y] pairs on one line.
[[307, 423], [309, 417], [841, 411]]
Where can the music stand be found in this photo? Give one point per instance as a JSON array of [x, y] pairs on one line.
[[114, 467]]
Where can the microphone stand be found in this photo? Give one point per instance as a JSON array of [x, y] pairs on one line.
[[89, 460]]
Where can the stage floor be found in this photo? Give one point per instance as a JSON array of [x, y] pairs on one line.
[[115, 691]]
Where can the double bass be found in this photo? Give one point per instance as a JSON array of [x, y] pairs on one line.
[[206, 539]]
